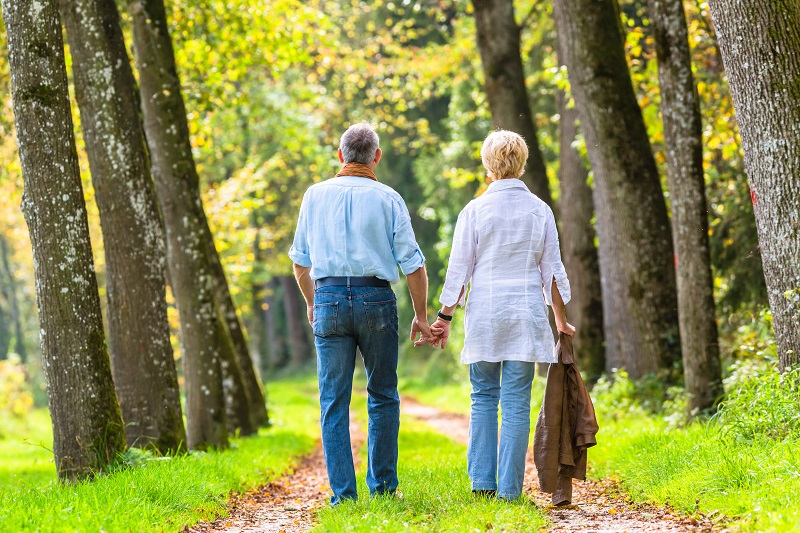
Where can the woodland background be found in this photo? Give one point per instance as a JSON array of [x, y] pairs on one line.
[[270, 86]]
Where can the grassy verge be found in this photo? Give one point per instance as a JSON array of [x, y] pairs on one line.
[[437, 496], [756, 484], [157, 494], [744, 464]]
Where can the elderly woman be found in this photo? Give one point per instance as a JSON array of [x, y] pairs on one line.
[[506, 248]]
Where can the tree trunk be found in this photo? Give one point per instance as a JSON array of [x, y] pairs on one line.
[[178, 192], [244, 362], [636, 254], [298, 343], [260, 325], [87, 426], [142, 361], [5, 332], [683, 136], [504, 80], [13, 303], [175, 128], [759, 43], [277, 346], [577, 246], [237, 400], [258, 328]]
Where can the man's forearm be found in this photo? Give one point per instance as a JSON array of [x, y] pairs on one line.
[[303, 276], [559, 308], [418, 287]]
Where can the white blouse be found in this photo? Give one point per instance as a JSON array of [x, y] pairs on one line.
[[506, 248]]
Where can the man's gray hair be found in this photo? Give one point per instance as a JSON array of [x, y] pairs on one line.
[[359, 144]]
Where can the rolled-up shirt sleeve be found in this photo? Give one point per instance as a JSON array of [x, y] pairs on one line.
[[299, 252], [404, 244], [551, 266], [462, 260]]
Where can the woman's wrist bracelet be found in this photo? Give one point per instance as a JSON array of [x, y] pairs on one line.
[[444, 316]]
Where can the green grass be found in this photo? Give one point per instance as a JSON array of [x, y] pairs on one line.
[[451, 397], [437, 496], [755, 484], [25, 451], [158, 494], [745, 463]]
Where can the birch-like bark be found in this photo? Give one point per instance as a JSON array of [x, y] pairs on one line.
[[759, 43], [178, 193], [636, 253], [576, 209], [504, 81], [172, 156], [142, 361], [683, 136], [87, 425]]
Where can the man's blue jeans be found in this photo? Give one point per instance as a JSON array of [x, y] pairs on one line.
[[492, 468], [346, 318]]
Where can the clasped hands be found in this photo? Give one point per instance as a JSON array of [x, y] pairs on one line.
[[435, 334]]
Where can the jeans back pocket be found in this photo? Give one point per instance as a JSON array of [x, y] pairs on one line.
[[380, 315], [325, 317]]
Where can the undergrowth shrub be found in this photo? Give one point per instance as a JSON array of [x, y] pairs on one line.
[[761, 402], [618, 396]]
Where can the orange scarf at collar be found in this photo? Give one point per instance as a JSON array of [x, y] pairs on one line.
[[357, 169]]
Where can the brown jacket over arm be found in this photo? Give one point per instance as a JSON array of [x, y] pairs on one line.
[[566, 427]]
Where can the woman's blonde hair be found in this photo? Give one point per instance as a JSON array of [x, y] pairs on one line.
[[504, 154]]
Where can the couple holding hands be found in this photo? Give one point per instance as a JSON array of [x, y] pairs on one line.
[[352, 234]]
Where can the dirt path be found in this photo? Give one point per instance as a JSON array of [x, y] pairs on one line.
[[600, 507], [286, 505]]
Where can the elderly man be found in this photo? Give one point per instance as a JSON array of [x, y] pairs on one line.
[[352, 233]]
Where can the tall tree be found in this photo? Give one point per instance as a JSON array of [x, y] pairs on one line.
[[683, 136], [636, 254], [242, 364], [237, 400], [759, 42], [504, 81], [13, 301], [576, 210], [5, 321], [277, 342], [299, 347], [141, 353], [87, 425], [167, 132], [177, 188]]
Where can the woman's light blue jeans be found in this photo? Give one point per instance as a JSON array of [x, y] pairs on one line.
[[491, 467]]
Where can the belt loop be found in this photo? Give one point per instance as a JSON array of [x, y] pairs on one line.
[[348, 283]]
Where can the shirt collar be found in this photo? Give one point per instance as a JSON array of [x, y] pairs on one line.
[[509, 183]]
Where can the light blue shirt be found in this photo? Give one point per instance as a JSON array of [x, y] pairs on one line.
[[351, 226]]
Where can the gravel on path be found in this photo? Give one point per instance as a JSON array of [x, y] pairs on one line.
[[285, 505]]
